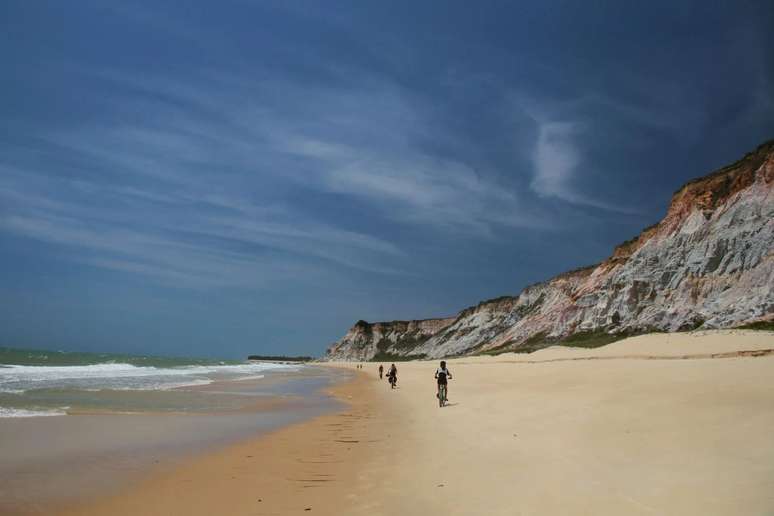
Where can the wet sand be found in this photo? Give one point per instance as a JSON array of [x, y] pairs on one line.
[[50, 462], [639, 427], [310, 466]]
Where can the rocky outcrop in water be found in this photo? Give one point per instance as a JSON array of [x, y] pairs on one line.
[[708, 264]]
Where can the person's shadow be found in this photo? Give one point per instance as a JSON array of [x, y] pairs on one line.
[[448, 404]]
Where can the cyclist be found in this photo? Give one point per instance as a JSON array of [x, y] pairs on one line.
[[442, 374], [392, 375]]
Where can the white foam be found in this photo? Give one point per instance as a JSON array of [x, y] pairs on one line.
[[254, 377], [13, 412], [152, 386], [171, 385], [117, 376]]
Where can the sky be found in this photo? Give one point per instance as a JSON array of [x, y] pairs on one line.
[[225, 178]]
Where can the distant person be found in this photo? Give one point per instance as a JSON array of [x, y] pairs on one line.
[[442, 376], [392, 376], [381, 371]]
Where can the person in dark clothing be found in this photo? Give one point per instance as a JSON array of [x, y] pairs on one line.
[[442, 376], [392, 375]]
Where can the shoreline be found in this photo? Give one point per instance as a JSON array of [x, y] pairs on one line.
[[305, 465], [111, 450], [577, 431]]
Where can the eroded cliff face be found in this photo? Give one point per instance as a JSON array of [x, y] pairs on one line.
[[365, 341], [708, 264]]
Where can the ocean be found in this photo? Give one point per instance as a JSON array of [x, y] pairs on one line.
[[114, 417], [55, 383]]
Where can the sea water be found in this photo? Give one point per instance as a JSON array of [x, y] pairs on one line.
[[53, 383], [120, 415]]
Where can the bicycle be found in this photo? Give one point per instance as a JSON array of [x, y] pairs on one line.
[[442, 395]]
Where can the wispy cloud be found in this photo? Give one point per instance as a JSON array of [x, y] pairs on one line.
[[209, 169], [411, 187], [208, 139], [556, 153], [190, 184], [556, 159], [189, 238], [212, 166]]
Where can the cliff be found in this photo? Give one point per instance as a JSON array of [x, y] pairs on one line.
[[366, 341], [709, 263]]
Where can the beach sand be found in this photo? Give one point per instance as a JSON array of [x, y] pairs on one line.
[[650, 425], [307, 465], [46, 463]]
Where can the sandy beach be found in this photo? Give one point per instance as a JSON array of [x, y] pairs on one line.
[[642, 426], [109, 448]]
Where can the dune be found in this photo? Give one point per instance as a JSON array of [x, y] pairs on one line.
[[697, 344]]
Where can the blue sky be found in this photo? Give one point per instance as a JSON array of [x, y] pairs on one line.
[[225, 178]]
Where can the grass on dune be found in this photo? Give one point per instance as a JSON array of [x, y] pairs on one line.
[[758, 325]]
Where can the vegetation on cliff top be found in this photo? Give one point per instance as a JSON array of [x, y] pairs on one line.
[[758, 155]]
